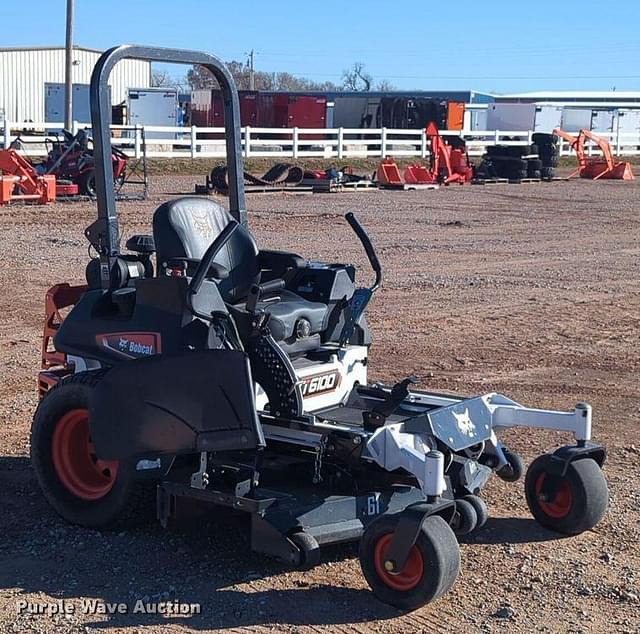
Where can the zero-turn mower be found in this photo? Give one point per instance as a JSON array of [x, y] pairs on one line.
[[236, 376]]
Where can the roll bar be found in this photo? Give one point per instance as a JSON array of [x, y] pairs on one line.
[[103, 234]]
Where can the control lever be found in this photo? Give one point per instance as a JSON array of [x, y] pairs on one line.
[[378, 415], [258, 290], [356, 306], [368, 247]]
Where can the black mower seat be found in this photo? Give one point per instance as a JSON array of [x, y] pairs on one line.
[[185, 227], [293, 317]]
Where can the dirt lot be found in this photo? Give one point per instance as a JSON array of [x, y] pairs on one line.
[[532, 290]]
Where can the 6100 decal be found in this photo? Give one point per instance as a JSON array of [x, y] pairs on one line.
[[320, 383]]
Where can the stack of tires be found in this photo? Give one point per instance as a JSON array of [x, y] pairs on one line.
[[514, 162], [548, 153]]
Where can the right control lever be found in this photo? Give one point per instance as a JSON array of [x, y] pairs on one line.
[[378, 415]]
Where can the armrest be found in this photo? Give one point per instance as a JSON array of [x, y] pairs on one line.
[[216, 271], [276, 260]]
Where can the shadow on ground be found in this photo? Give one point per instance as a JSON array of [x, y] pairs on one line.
[[207, 563]]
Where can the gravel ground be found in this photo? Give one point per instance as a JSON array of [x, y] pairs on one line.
[[531, 290]]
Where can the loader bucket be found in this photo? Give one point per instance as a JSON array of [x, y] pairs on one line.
[[621, 171], [418, 174], [388, 173]]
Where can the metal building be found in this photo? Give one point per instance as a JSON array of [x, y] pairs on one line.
[[25, 71], [577, 98]]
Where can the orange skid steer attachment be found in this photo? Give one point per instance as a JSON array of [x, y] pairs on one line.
[[448, 164], [388, 173], [418, 174], [20, 181], [595, 167]]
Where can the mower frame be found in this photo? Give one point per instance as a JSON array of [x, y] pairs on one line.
[[104, 232]]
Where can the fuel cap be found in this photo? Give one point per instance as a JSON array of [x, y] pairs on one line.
[[303, 328]]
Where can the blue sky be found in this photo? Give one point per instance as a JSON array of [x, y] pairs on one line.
[[487, 45]]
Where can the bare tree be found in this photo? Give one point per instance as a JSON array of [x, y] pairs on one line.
[[384, 85], [160, 78], [356, 78], [198, 77]]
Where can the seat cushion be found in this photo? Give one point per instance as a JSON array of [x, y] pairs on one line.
[[286, 309], [186, 227]]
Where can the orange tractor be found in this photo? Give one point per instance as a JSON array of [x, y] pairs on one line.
[[595, 167]]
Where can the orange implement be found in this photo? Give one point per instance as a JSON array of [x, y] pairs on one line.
[[388, 173], [417, 174], [595, 167], [20, 181]]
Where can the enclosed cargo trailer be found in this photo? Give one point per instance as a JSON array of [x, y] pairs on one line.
[[153, 107]]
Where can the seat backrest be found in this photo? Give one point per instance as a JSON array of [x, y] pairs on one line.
[[185, 227]]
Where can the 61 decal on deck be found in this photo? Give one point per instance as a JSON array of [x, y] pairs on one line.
[[319, 383], [131, 345]]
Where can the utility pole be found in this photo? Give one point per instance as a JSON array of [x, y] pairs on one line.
[[252, 77], [68, 68]]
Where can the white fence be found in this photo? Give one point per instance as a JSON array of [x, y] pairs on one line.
[[341, 143]]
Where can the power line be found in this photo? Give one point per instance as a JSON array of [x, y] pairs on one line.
[[483, 77]]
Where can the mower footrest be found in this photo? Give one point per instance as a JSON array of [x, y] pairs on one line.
[[167, 493]]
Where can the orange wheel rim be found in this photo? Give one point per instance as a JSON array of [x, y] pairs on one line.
[[409, 577], [74, 458], [560, 505]]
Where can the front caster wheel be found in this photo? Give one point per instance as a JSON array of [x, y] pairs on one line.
[[429, 572], [465, 518], [513, 470], [569, 504], [480, 506]]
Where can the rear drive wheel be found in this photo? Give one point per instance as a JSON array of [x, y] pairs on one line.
[[429, 572], [81, 487], [569, 504], [87, 183]]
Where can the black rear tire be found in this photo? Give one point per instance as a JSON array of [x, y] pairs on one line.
[[430, 572], [125, 496], [87, 183], [576, 502]]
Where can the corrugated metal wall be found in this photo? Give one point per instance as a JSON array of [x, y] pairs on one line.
[[23, 74]]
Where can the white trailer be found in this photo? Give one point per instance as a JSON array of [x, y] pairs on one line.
[[153, 107], [628, 121], [511, 116], [547, 118], [54, 102], [576, 119], [602, 121]]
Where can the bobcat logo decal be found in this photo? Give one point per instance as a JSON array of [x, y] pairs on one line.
[[465, 424], [202, 225]]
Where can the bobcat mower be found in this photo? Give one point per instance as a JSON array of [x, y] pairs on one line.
[[219, 373]]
